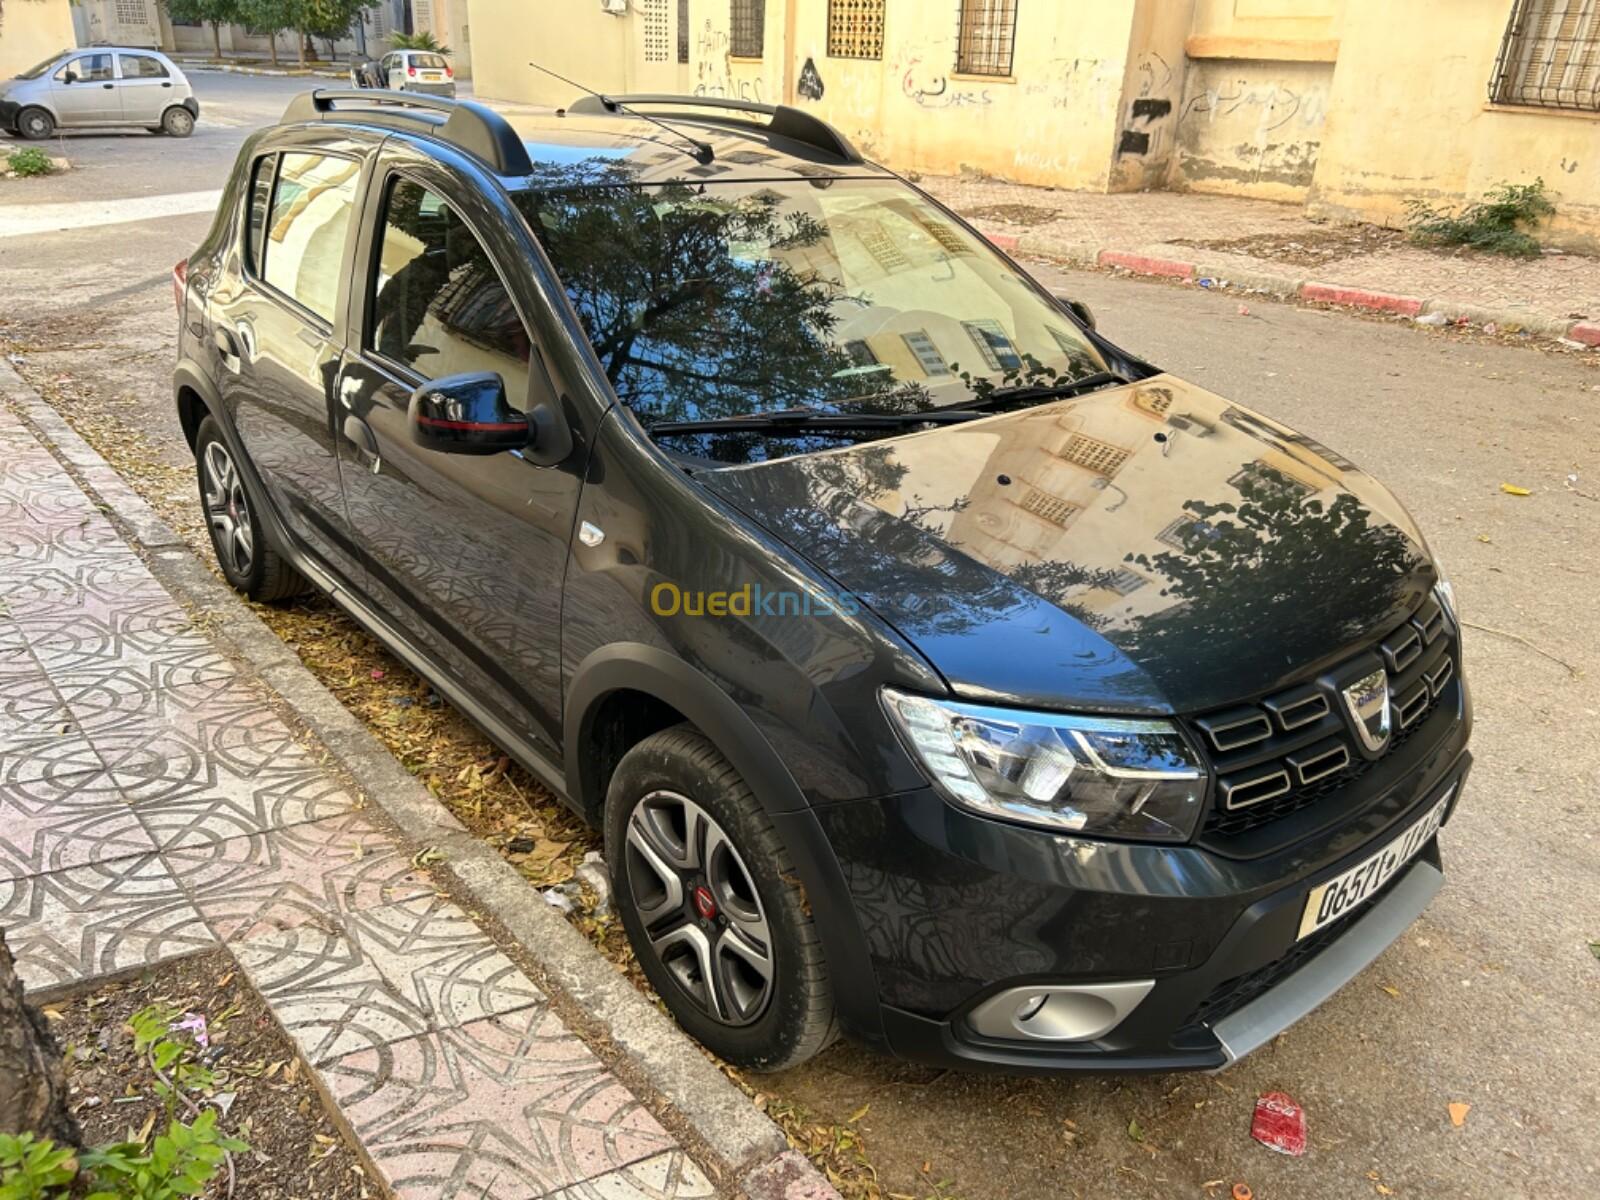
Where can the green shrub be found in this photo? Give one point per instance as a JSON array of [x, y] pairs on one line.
[[29, 162], [178, 1162], [418, 41], [1494, 224]]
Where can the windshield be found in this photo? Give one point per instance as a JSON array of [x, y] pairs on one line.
[[737, 299], [36, 72], [431, 62]]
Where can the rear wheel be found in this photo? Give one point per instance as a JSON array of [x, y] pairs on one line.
[[35, 124], [246, 557], [710, 901], [177, 121]]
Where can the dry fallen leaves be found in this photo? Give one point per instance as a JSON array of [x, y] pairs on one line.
[[1458, 1113]]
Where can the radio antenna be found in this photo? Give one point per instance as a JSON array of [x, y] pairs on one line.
[[702, 152]]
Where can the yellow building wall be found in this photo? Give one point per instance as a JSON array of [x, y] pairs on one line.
[[1408, 116], [31, 31], [1255, 97]]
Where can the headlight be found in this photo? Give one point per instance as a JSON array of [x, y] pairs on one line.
[[1099, 776]]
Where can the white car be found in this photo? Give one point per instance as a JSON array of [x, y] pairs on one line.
[[96, 87], [418, 71]]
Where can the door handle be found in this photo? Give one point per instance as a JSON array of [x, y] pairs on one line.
[[225, 344], [167, 84], [360, 433], [108, 86]]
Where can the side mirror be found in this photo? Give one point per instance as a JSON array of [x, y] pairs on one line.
[[466, 414], [1080, 310]]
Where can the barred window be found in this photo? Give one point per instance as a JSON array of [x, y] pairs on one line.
[[1269, 477], [987, 37], [656, 36], [133, 12], [1049, 508], [998, 350], [1550, 55], [1124, 581], [747, 37], [1092, 454], [855, 28], [883, 248], [683, 31], [927, 354]]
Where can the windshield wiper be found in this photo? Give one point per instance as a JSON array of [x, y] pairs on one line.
[[1048, 391], [814, 421]]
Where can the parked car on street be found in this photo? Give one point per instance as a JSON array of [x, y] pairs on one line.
[[937, 670], [424, 71], [96, 88]]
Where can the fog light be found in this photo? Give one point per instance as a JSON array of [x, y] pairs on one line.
[[1073, 1013]]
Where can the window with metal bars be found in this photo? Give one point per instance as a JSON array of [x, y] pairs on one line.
[[134, 12], [683, 31], [1550, 55], [747, 34], [1094, 455], [855, 28], [987, 37]]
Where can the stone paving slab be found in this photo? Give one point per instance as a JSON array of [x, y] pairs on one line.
[[153, 804]]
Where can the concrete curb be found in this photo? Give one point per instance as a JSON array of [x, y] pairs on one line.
[[205, 64], [1291, 287], [751, 1155]]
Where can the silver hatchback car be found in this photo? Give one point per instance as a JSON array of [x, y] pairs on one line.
[[96, 87]]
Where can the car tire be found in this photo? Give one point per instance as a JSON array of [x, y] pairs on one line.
[[35, 124], [244, 552], [177, 121], [677, 809]]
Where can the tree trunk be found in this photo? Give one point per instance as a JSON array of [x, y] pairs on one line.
[[272, 46], [302, 50], [216, 39], [33, 1083]]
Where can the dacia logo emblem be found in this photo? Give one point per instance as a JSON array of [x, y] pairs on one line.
[[1368, 702]]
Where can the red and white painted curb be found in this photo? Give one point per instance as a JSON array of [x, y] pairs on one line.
[[1288, 287]]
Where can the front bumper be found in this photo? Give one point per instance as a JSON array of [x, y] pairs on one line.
[[955, 909], [8, 115]]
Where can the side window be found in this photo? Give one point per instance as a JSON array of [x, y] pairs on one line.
[[260, 202], [142, 66], [307, 227], [438, 304], [87, 68]]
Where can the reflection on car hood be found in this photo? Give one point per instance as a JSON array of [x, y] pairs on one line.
[[1151, 548]]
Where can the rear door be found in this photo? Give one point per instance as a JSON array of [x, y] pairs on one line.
[[84, 91], [277, 335], [469, 553], [147, 88]]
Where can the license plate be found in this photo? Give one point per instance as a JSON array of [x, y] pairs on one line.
[[432, 77], [1344, 893]]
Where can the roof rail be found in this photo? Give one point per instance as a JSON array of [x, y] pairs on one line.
[[787, 122], [470, 128]]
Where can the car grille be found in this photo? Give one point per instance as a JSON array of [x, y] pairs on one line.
[[1233, 994], [1293, 748]]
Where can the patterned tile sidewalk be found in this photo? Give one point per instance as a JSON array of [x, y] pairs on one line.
[[153, 804]]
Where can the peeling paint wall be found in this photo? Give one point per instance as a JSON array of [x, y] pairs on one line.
[[1411, 118], [1251, 128]]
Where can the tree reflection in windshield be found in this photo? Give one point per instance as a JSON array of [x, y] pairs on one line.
[[736, 299]]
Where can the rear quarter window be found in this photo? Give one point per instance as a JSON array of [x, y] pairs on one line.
[[308, 226]]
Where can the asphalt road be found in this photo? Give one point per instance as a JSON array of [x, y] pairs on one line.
[[1492, 999]]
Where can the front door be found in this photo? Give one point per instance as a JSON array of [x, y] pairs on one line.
[[468, 552], [277, 340], [146, 88], [84, 91]]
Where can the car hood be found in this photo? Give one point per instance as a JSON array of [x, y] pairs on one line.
[[1144, 549]]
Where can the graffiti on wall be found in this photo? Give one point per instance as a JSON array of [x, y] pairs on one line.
[[929, 88], [714, 72], [1147, 126], [1263, 129], [810, 85]]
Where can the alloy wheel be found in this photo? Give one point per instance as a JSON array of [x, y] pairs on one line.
[[699, 907], [227, 510]]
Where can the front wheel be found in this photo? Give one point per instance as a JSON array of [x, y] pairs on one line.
[[247, 559], [712, 907], [177, 122], [35, 124]]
